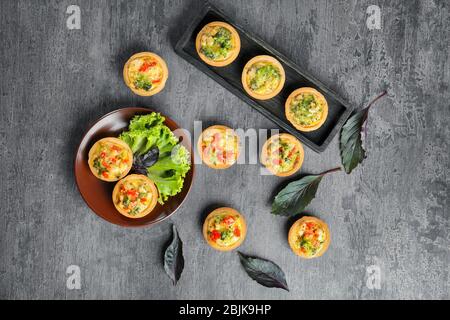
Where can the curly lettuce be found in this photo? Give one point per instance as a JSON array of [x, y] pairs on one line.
[[168, 173]]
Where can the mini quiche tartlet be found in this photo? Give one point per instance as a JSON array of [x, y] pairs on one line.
[[263, 77], [282, 155], [218, 44], [218, 147], [306, 109], [145, 73], [135, 196], [224, 229], [309, 237], [110, 159]]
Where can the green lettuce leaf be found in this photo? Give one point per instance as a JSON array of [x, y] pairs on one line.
[[173, 164]]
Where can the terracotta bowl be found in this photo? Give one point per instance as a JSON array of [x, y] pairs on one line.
[[97, 193]]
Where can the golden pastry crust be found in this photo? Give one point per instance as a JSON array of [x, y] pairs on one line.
[[319, 97], [205, 159], [267, 60], [160, 63], [265, 154], [141, 180], [94, 154], [234, 51], [224, 212], [293, 236]]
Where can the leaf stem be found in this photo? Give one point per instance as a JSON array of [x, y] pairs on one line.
[[378, 97], [368, 108], [330, 171]]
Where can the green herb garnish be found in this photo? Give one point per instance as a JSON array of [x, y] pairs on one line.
[[226, 234], [264, 74], [142, 82], [220, 47], [134, 211]]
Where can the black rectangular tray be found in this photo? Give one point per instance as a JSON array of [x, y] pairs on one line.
[[230, 78]]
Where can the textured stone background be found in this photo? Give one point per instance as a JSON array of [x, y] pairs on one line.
[[391, 212]]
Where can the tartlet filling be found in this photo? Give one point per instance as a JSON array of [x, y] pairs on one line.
[[263, 78], [216, 43], [111, 160], [134, 196], [145, 73], [224, 229], [306, 109], [282, 155], [310, 238], [219, 147]]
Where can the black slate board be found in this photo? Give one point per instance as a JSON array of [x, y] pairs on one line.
[[230, 78]]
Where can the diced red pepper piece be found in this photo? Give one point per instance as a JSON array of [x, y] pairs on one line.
[[105, 174], [206, 151], [228, 220], [217, 136], [221, 157], [237, 232], [292, 152], [215, 235], [146, 65], [229, 154], [132, 193], [310, 225], [105, 164], [216, 139], [307, 234]]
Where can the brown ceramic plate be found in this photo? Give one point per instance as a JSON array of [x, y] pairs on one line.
[[98, 193]]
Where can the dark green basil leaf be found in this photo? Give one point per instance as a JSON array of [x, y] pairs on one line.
[[352, 151], [264, 272], [297, 195], [294, 198], [173, 258], [350, 144]]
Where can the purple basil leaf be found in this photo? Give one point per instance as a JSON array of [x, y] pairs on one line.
[[350, 143], [173, 258], [264, 272], [146, 160]]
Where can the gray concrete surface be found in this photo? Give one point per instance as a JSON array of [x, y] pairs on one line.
[[392, 212]]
